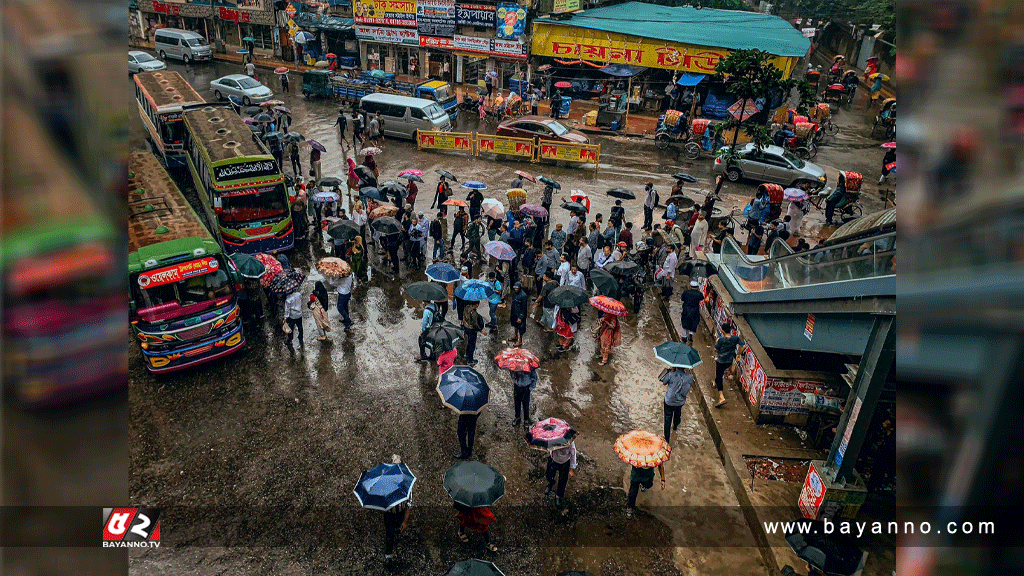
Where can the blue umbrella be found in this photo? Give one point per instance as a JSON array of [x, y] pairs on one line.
[[326, 196], [241, 51], [500, 250], [371, 192], [474, 185], [474, 290], [463, 389], [384, 486], [303, 37], [443, 272]]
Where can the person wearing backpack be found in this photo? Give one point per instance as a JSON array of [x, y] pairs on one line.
[[430, 319]]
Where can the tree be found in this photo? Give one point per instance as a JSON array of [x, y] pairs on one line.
[[856, 12], [750, 76]]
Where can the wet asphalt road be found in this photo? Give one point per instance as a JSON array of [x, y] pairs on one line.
[[254, 457]]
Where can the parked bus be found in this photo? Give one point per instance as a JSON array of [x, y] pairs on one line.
[[162, 97], [183, 308], [63, 323], [239, 182]]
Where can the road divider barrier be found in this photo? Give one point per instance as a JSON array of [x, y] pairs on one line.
[[433, 140], [519, 147], [526, 148]]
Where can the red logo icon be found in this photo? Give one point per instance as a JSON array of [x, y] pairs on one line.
[[131, 527]]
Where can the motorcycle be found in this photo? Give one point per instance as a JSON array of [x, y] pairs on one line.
[[470, 104]]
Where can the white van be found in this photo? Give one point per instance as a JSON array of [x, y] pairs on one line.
[[181, 44], [404, 115]]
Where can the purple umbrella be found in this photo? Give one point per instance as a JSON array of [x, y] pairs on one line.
[[249, 120], [282, 109], [500, 250], [534, 210], [316, 145]]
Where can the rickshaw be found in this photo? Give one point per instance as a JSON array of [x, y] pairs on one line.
[[317, 83], [849, 206], [702, 138], [886, 118], [671, 128]]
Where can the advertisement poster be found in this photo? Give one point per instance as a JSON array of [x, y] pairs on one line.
[[809, 327], [177, 272], [511, 20], [570, 152], [785, 396], [435, 18], [444, 140], [566, 6], [504, 145], [475, 15], [385, 12], [812, 494], [388, 35]]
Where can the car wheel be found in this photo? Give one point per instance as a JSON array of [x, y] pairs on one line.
[[692, 150], [217, 95], [246, 101], [187, 59], [733, 174], [163, 55]]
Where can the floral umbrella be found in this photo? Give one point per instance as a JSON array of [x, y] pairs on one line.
[[534, 210], [550, 434], [381, 211], [332, 267], [370, 151], [517, 360], [642, 449], [411, 172], [272, 265], [608, 305]]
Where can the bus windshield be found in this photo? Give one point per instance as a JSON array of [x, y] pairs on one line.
[[268, 203], [172, 131], [186, 292]]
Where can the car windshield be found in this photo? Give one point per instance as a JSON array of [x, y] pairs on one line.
[[248, 83], [197, 42], [435, 112], [443, 93], [793, 159], [268, 203], [143, 57], [558, 128]]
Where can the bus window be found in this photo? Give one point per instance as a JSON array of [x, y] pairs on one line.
[[249, 207], [172, 132]]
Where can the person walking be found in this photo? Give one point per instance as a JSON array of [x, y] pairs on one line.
[[357, 129], [476, 200], [650, 203], [473, 324], [489, 85], [284, 82], [556, 102], [344, 287], [522, 384], [609, 335], [547, 319], [567, 322], [293, 316], [534, 102], [293, 153], [437, 235], [396, 520], [474, 233], [518, 311], [476, 519], [411, 196], [641, 479], [430, 318], [342, 124], [561, 463], [443, 191], [726, 347], [699, 234], [459, 226], [667, 274], [678, 383], [318, 307], [494, 299], [250, 69], [357, 258], [690, 316], [314, 163]]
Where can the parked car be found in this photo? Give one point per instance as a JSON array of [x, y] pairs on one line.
[[184, 45], [770, 164], [139, 61], [245, 87], [543, 128]]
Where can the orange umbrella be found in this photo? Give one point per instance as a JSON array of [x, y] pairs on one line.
[[385, 210], [642, 449], [334, 267], [455, 202]]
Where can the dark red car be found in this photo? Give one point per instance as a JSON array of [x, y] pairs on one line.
[[543, 128]]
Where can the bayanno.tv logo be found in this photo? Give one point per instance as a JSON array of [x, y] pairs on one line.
[[131, 528]]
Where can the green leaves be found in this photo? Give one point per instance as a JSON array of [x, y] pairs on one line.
[[751, 75]]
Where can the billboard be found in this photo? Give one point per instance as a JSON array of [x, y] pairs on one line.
[[385, 12], [511, 20], [435, 18], [475, 15]]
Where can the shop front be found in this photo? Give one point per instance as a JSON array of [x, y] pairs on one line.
[[393, 50], [248, 19], [475, 56]]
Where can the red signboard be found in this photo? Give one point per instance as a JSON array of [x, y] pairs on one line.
[[812, 495], [233, 15], [177, 272], [159, 7]]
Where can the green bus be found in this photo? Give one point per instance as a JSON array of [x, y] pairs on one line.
[[239, 182], [183, 308]]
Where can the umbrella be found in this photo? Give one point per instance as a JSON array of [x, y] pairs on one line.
[[384, 486], [378, 74], [831, 553], [474, 290], [241, 51], [371, 151], [322, 64], [250, 121], [280, 70], [526, 175], [411, 171], [371, 192], [386, 224], [272, 265], [316, 145], [680, 201], [253, 127], [500, 250], [445, 336], [567, 296], [581, 197], [889, 145], [606, 283], [443, 272], [286, 281], [411, 177], [427, 291], [249, 39], [563, 84], [496, 211], [534, 210], [608, 305], [446, 174], [294, 137], [385, 211], [365, 173], [393, 188], [684, 177], [330, 182], [344, 230], [271, 103], [677, 355], [465, 391], [795, 195], [623, 268], [330, 55], [474, 185], [280, 108], [642, 449], [474, 567], [274, 134], [879, 76], [574, 206], [550, 182], [326, 196], [455, 202], [303, 37], [621, 193], [550, 434], [332, 267], [517, 360], [516, 193], [492, 73], [474, 483], [493, 202], [248, 266]]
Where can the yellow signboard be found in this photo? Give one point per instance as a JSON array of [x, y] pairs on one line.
[[523, 147], [385, 12], [587, 153], [430, 140], [571, 43], [566, 6]]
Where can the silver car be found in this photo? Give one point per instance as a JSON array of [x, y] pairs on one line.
[[245, 87], [139, 61], [770, 164]]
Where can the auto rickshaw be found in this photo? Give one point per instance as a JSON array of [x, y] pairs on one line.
[[317, 83]]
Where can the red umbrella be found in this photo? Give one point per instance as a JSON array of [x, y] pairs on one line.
[[517, 360], [581, 197], [271, 264], [608, 305], [889, 145], [280, 70], [526, 175], [563, 84], [330, 55], [412, 171]]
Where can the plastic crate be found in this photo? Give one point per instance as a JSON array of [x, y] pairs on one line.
[[518, 86], [349, 61]]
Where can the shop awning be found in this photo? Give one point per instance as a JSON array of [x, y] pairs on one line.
[[322, 22], [833, 333], [690, 79], [622, 70]]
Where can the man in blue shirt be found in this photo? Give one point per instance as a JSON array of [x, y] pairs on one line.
[[678, 384], [429, 313], [726, 348]]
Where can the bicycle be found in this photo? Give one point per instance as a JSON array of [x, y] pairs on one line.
[[826, 129], [848, 208]]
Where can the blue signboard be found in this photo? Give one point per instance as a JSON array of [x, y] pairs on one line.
[[511, 20]]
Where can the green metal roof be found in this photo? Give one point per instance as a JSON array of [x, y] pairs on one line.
[[730, 29]]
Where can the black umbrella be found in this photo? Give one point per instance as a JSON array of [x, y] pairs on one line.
[[330, 182], [387, 225], [833, 554], [623, 268], [606, 284], [344, 230], [575, 207], [680, 201], [568, 296], [393, 189], [263, 117], [426, 291], [371, 192], [252, 110], [621, 193], [294, 137], [254, 128], [550, 182], [684, 177], [365, 173], [474, 484], [445, 336], [447, 175], [474, 567]]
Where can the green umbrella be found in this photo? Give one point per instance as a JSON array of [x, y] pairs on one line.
[[249, 39], [474, 567], [677, 355], [378, 74], [474, 484], [248, 266]]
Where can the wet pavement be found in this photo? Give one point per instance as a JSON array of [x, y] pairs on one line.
[[277, 435]]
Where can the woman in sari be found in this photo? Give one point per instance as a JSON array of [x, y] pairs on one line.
[[609, 335], [357, 258], [318, 305], [566, 323]]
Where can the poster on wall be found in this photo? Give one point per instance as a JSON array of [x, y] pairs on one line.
[[475, 15], [511, 19], [385, 12], [388, 35], [566, 6], [435, 18]]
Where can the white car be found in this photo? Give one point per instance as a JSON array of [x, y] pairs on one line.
[[245, 87], [139, 61]]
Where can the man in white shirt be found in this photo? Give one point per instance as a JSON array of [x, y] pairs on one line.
[[650, 201], [574, 223], [575, 278], [563, 270], [250, 70], [344, 286], [603, 257], [293, 315], [668, 271], [561, 462]]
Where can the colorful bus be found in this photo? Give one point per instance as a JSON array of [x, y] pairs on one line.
[[63, 323], [162, 97], [183, 308], [239, 182]]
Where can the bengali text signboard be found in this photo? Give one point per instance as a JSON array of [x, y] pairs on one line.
[[431, 140], [522, 147], [587, 153], [435, 18], [482, 15], [385, 12]]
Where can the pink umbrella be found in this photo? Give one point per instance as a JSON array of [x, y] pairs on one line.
[[534, 210], [412, 171], [550, 434], [271, 264], [889, 145]]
